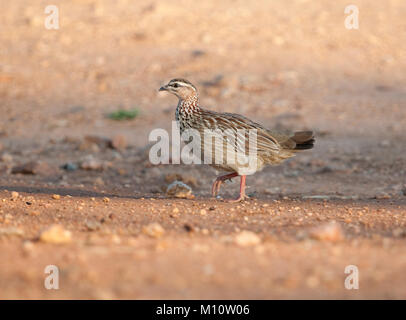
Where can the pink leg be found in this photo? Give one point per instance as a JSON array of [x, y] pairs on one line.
[[219, 180], [242, 191]]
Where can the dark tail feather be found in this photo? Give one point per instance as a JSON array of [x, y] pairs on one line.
[[304, 140]]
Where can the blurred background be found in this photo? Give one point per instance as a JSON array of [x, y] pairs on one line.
[[270, 60], [77, 104], [290, 65]]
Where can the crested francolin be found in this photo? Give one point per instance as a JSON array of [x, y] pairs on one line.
[[267, 146]]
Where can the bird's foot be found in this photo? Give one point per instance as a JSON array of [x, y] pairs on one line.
[[217, 183], [216, 187], [242, 197]]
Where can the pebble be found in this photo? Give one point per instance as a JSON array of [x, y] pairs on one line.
[[98, 181], [188, 227], [154, 230], [56, 234], [14, 195], [56, 196], [197, 53], [93, 225], [34, 167], [28, 246], [330, 231], [118, 142], [90, 163], [179, 189], [383, 196], [247, 238], [70, 166], [6, 157], [399, 233], [11, 231], [95, 140]]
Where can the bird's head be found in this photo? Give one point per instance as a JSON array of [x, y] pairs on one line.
[[181, 88]]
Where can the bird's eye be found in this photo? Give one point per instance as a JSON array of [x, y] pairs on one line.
[[175, 85]]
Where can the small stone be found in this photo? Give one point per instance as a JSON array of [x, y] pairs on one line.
[[115, 239], [383, 196], [175, 210], [14, 195], [118, 142], [99, 181], [70, 167], [28, 246], [106, 200], [399, 233], [56, 196], [197, 53], [90, 140], [56, 234], [153, 230], [90, 163], [203, 212], [330, 231], [93, 225], [247, 238], [11, 231], [34, 167], [188, 227], [6, 157], [179, 189]]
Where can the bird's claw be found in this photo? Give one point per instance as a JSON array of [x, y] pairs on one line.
[[239, 199]]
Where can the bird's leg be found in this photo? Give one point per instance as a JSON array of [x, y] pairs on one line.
[[219, 180], [242, 196]]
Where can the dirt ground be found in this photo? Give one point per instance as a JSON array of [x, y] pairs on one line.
[[286, 64]]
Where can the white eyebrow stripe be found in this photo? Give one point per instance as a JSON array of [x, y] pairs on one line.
[[182, 84]]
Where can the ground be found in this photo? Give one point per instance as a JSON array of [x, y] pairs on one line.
[[285, 64]]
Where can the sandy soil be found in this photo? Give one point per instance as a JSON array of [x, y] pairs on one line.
[[286, 64]]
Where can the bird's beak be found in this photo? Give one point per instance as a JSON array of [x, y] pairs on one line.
[[164, 88]]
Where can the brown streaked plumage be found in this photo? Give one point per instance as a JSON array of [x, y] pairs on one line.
[[270, 147]]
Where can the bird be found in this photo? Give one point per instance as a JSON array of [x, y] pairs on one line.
[[270, 147]]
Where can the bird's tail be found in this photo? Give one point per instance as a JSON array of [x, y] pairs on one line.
[[303, 139]]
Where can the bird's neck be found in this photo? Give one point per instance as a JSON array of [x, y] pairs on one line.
[[189, 105]]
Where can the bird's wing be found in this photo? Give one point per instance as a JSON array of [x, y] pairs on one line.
[[266, 143]]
